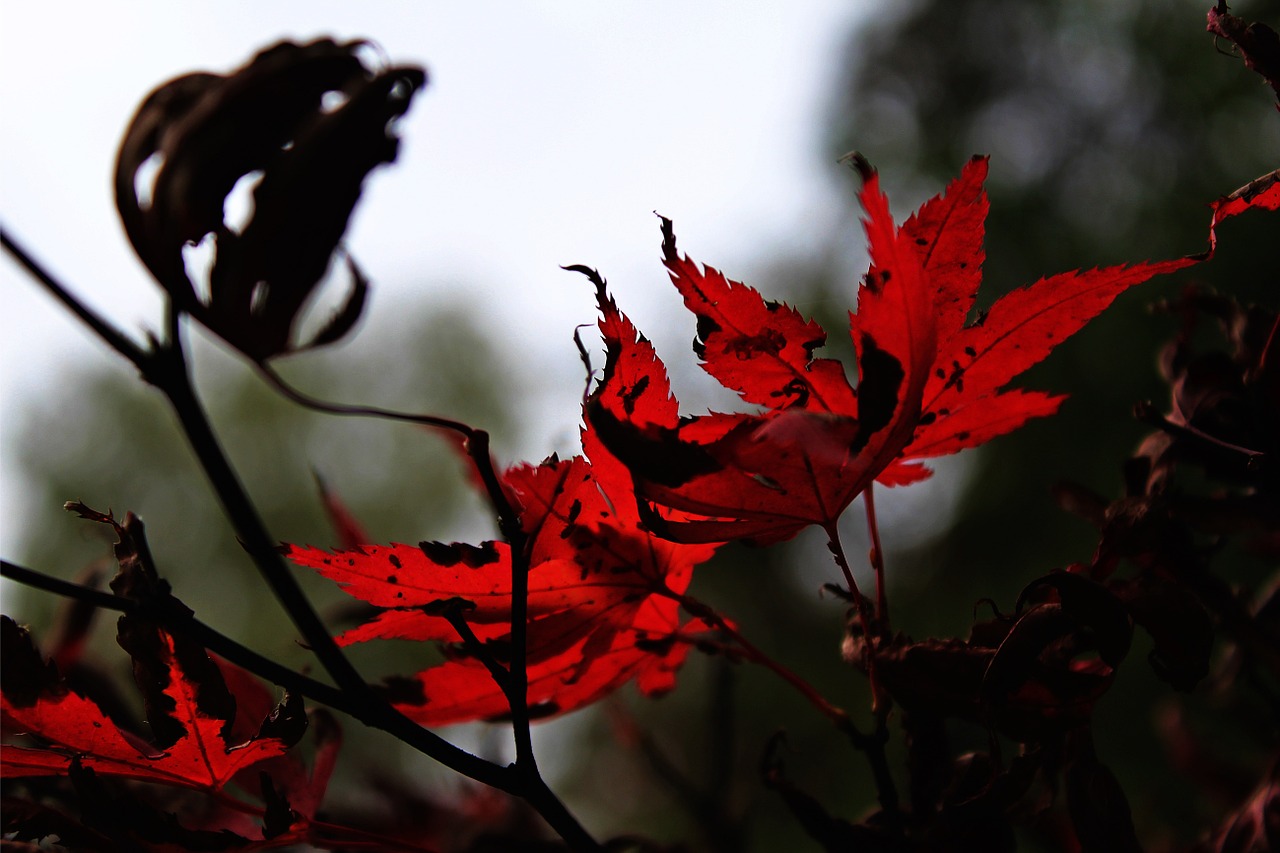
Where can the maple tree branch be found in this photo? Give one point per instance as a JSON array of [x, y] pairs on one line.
[[375, 710], [165, 367], [110, 335], [881, 702], [182, 622], [477, 649], [515, 681]]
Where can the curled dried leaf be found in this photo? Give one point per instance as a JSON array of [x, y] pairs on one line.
[[308, 122]]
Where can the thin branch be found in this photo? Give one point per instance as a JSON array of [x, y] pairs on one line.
[[180, 621], [515, 681], [877, 560], [278, 382], [751, 652], [471, 643], [112, 336]]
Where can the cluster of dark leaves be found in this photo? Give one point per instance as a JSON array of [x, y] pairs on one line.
[[310, 122], [1032, 677], [1257, 43]]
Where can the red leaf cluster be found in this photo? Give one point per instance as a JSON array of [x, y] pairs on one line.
[[601, 605], [929, 383], [219, 758]]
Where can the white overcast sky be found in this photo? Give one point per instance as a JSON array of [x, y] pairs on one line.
[[548, 135]]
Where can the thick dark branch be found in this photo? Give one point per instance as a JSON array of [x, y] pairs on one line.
[[179, 621], [376, 714], [176, 385], [165, 367]]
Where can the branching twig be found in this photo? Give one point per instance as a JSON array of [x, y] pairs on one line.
[[477, 649], [179, 621], [753, 653], [164, 366], [514, 681], [109, 334]]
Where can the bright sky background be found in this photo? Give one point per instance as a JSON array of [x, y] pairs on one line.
[[548, 135]]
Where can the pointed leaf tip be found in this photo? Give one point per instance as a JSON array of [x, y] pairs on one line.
[[856, 161]]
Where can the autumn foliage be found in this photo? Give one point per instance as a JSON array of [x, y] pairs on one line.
[[586, 586]]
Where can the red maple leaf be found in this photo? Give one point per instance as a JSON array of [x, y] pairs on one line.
[[74, 737], [601, 605], [928, 384], [75, 726]]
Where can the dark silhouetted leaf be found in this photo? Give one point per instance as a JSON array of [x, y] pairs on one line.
[[310, 121]]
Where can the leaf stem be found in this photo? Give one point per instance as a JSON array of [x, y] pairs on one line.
[[881, 702], [877, 560], [477, 649], [860, 602], [753, 653]]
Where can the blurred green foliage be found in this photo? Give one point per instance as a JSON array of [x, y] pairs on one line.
[[109, 441]]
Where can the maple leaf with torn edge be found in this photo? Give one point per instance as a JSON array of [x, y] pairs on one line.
[[75, 738], [601, 605], [928, 384]]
